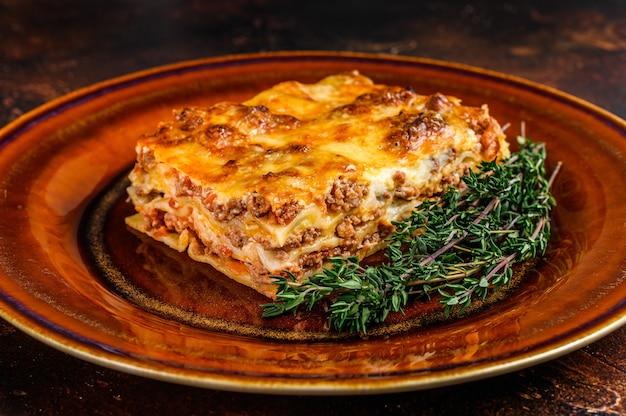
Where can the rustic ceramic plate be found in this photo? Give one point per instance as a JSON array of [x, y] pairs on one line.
[[57, 160]]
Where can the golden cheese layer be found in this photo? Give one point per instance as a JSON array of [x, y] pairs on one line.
[[302, 172]]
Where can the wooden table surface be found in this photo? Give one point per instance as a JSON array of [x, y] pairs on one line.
[[48, 49]]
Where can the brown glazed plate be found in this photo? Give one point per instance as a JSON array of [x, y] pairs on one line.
[[73, 276]]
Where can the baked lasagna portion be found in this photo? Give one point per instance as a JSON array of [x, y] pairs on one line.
[[302, 172]]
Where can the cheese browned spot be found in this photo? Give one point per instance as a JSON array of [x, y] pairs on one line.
[[302, 172]]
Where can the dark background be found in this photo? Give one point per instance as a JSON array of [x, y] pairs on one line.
[[49, 48]]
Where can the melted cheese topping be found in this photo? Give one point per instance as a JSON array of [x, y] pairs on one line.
[[302, 172]]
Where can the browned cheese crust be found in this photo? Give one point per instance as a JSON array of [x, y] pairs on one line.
[[302, 172]]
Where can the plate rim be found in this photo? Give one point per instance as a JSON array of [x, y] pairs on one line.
[[54, 339]]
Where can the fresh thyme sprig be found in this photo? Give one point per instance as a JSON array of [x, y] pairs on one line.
[[460, 246]]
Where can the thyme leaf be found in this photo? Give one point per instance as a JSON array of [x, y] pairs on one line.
[[460, 246]]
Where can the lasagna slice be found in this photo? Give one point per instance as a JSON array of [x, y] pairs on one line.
[[302, 172]]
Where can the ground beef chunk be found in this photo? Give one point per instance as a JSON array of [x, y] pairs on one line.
[[228, 210], [489, 140], [185, 187], [345, 194], [286, 212], [407, 192], [154, 222], [353, 109], [453, 179], [222, 211], [257, 205], [219, 136], [302, 238], [345, 229], [176, 223], [390, 96], [236, 237], [146, 159], [265, 242], [371, 240], [316, 259], [189, 118], [384, 231], [402, 189], [399, 178], [438, 103], [411, 131], [485, 127], [261, 118]]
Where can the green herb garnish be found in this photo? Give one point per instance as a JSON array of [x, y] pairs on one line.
[[460, 246]]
